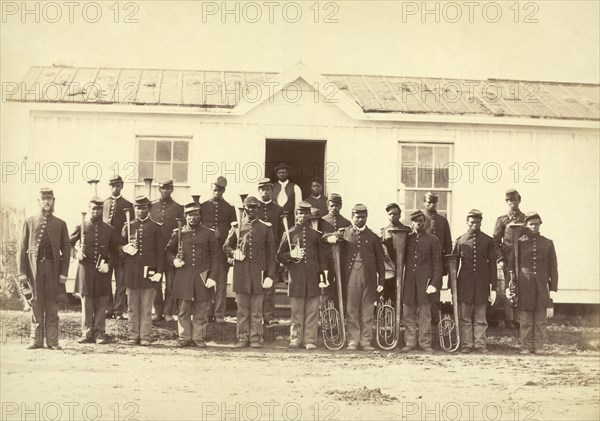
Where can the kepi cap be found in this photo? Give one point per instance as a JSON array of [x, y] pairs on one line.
[[431, 197], [116, 179], [416, 215], [141, 201], [220, 182], [46, 191], [191, 207], [165, 182], [532, 215], [392, 206], [474, 213], [250, 201], [303, 207], [512, 194], [359, 208], [97, 201], [264, 182], [335, 198]]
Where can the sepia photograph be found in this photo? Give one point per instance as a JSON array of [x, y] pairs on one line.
[[293, 210]]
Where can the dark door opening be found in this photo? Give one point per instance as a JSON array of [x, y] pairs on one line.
[[306, 159]]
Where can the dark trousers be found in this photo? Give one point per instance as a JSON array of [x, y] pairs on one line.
[[359, 308], [249, 317], [473, 325], [269, 304], [219, 303], [417, 318], [44, 313], [140, 312], [305, 314], [93, 316], [117, 303], [192, 320], [170, 304], [533, 328], [159, 300]]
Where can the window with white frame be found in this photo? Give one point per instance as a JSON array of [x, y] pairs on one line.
[[424, 167], [163, 157]]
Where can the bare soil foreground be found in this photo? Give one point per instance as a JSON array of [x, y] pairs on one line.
[[161, 382]]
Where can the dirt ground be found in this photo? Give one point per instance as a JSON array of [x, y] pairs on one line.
[[161, 382]]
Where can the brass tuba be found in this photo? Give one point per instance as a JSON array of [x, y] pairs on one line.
[[333, 323], [448, 326], [389, 317]]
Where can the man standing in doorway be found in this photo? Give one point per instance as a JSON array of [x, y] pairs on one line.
[[285, 193], [316, 198]]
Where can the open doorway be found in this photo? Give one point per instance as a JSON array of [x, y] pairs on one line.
[[306, 159]]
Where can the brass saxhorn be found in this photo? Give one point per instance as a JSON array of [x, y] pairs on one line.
[[448, 326], [389, 317], [287, 236], [333, 323]]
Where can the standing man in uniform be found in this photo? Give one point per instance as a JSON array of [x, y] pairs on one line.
[[476, 282], [43, 266], [332, 222], [251, 247], [504, 236], [114, 215], [306, 264], [285, 193], [144, 266], [422, 279], [394, 213], [537, 283], [437, 225], [316, 198], [365, 273], [218, 215], [165, 212], [96, 258], [271, 212], [196, 261]]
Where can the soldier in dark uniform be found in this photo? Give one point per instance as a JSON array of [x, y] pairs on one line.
[[476, 282], [144, 266], [218, 215], [271, 212], [362, 257], [537, 282], [251, 247], [394, 213], [332, 222], [422, 279], [93, 282], [306, 262], [437, 225], [316, 198], [165, 212], [114, 215], [196, 262], [285, 193], [43, 266], [503, 237]]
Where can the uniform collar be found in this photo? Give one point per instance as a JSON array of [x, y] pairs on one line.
[[115, 197], [266, 203], [359, 229], [316, 197], [144, 220]]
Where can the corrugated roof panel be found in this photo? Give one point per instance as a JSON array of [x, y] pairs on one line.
[[170, 87], [128, 86], [149, 89], [106, 84], [81, 88], [192, 91]]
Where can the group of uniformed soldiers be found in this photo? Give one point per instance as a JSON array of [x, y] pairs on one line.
[[279, 238]]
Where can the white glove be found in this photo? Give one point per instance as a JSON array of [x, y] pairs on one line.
[[332, 239], [501, 264], [156, 277], [430, 289], [492, 297], [178, 263], [130, 249], [211, 283], [379, 288], [323, 284], [552, 295], [62, 279], [297, 253], [508, 294], [238, 255], [79, 255], [103, 268], [267, 283]]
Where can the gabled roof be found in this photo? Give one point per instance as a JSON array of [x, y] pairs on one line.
[[231, 91]]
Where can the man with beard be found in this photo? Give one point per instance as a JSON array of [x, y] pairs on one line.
[[43, 266], [165, 212], [96, 258], [422, 279], [218, 215], [505, 231], [196, 262], [114, 215], [476, 283]]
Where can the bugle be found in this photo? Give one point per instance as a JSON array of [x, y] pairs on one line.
[[180, 222], [128, 224], [389, 318], [333, 323], [287, 236], [196, 198], [448, 326]]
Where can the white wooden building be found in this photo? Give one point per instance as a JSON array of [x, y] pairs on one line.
[[376, 139]]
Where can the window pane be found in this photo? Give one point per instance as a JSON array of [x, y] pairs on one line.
[[146, 170], [410, 199], [163, 150], [146, 150], [420, 199], [441, 178], [409, 175], [443, 202], [409, 154], [425, 178], [180, 152], [163, 170], [180, 173], [442, 155], [425, 155]]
